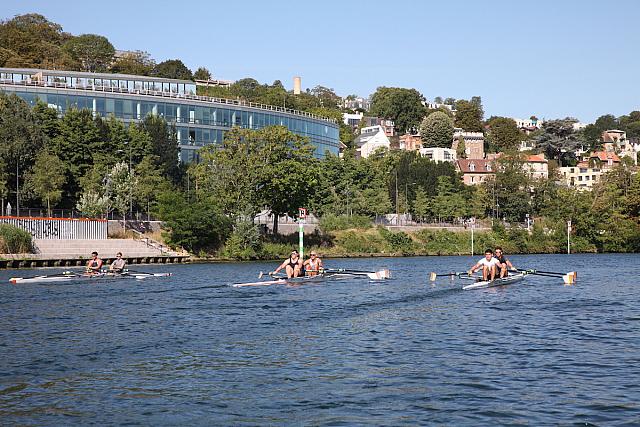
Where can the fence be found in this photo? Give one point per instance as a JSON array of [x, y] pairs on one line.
[[60, 228]]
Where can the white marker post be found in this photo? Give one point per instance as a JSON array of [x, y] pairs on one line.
[[472, 223], [302, 214], [568, 237]]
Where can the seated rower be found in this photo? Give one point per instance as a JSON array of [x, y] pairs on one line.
[[313, 265], [504, 264], [118, 265], [95, 264], [292, 265], [488, 264]]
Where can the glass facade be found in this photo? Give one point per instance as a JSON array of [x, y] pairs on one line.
[[198, 123]]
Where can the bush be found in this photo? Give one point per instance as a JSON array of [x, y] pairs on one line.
[[14, 240], [244, 243], [399, 241], [359, 243], [332, 222]]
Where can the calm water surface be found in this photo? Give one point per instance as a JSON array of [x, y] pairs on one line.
[[191, 350]]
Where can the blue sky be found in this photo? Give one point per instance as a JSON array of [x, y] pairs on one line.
[[548, 58]]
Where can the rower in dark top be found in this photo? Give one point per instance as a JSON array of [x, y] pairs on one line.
[[95, 264], [292, 265], [118, 265], [504, 265]]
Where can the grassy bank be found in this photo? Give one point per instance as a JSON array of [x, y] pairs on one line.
[[364, 242]]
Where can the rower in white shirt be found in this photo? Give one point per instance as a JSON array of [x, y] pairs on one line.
[[489, 266]]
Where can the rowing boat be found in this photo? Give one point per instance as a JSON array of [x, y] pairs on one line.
[[69, 276], [328, 274], [482, 284]]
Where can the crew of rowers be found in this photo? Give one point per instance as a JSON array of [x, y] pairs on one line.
[[94, 266], [294, 267], [493, 265]]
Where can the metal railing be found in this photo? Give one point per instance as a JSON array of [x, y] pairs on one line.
[[224, 101]]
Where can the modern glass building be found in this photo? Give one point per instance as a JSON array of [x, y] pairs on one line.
[[199, 120]]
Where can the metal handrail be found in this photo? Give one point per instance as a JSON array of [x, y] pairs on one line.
[[236, 102]]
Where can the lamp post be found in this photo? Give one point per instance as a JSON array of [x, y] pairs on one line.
[[18, 186]]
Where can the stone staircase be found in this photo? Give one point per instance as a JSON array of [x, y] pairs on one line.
[[130, 248]]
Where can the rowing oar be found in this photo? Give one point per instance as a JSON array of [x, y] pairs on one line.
[[568, 278], [271, 274], [451, 274], [373, 275]]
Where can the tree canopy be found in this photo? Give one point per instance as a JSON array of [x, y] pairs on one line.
[[436, 130], [403, 106]]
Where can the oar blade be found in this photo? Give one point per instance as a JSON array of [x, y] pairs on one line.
[[380, 275], [570, 278], [433, 276]]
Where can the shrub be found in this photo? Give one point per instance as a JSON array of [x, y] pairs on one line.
[[244, 243], [399, 241], [332, 222], [14, 240]]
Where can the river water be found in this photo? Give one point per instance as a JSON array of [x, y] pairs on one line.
[[191, 350]]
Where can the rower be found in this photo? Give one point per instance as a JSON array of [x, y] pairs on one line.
[[488, 264], [504, 264], [118, 265], [95, 264], [292, 265], [313, 265]]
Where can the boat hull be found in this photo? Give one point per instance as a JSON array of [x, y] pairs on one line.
[[61, 278], [497, 282]]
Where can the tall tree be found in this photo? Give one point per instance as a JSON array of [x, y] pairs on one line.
[[47, 178], [469, 116], [202, 73], [420, 204], [403, 106], [92, 51], [436, 130], [163, 145], [173, 69], [504, 133], [138, 63]]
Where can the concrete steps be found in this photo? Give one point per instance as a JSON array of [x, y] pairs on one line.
[[50, 249]]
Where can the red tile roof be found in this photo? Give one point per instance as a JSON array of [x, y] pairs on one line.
[[479, 166], [605, 156], [536, 158]]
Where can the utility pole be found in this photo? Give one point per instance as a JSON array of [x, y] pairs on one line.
[[18, 186], [397, 213]]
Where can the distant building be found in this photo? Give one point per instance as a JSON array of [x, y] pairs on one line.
[[438, 154], [439, 106], [357, 103], [536, 166], [371, 139], [475, 171], [410, 142], [352, 120], [579, 126], [616, 141], [388, 125], [214, 83], [582, 176], [473, 143], [587, 173]]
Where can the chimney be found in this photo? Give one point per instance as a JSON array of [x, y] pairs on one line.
[[297, 83]]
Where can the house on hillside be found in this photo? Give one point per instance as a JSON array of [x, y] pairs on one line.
[[475, 171], [473, 143], [371, 139], [438, 154]]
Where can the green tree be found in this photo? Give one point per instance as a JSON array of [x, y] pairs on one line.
[[173, 69], [436, 130], [138, 63], [202, 73], [469, 116], [22, 139], [150, 183], [461, 149], [92, 204], [194, 225], [30, 41], [420, 204], [122, 183], [403, 106], [504, 133], [47, 178], [92, 51], [162, 143], [559, 138]]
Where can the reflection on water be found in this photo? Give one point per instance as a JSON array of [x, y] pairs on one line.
[[190, 349]]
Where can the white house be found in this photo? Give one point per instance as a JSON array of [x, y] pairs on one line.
[[371, 139], [438, 154]]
